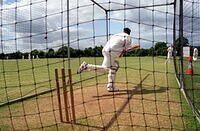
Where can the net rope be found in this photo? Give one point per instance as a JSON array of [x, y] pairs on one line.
[[189, 38], [39, 36]]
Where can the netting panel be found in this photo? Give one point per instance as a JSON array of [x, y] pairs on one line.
[[38, 36]]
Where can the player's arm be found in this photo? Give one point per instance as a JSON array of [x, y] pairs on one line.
[[168, 49], [135, 46]]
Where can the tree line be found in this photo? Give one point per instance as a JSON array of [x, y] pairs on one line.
[[51, 53], [160, 49]]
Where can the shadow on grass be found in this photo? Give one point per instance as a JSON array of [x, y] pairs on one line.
[[84, 125], [129, 93], [137, 90]]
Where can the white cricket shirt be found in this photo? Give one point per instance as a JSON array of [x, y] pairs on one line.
[[117, 44], [170, 50]]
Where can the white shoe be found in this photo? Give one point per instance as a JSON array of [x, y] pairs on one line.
[[82, 67], [112, 89]]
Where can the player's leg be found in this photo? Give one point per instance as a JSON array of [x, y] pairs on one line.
[[169, 57], [90, 67], [82, 67], [106, 64], [104, 67], [99, 68], [113, 65], [112, 76]]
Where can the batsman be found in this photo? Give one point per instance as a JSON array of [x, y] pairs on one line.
[[118, 45]]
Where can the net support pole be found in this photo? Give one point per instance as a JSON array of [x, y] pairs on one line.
[[68, 41], [181, 41], [107, 35], [58, 94], [174, 41], [138, 7], [72, 96], [65, 94], [68, 36], [96, 3]]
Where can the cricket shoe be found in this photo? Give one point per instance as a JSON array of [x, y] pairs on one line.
[[112, 89], [82, 67]]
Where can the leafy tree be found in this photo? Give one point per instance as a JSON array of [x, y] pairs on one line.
[[79, 53], [34, 52], [15, 55], [138, 52], [50, 53], [2, 56], [41, 54], [62, 52], [18, 55], [26, 55], [161, 48], [88, 52], [72, 52], [151, 52], [142, 52], [98, 51], [178, 45]]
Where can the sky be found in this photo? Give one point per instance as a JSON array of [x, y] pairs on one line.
[[87, 23]]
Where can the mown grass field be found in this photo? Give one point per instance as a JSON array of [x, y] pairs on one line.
[[192, 84], [23, 77]]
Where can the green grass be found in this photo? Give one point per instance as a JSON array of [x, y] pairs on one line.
[[24, 77], [38, 75], [192, 84]]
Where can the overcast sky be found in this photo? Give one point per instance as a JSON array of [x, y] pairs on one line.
[[147, 26]]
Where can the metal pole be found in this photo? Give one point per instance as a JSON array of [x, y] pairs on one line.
[[181, 40], [68, 35], [69, 67], [98, 5], [174, 40], [107, 35], [138, 7]]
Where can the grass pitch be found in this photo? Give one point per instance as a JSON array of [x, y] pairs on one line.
[[23, 77], [192, 88], [152, 90]]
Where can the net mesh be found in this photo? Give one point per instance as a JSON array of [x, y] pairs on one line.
[[43, 43], [188, 37]]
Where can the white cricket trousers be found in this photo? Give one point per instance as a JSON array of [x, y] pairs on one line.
[[169, 56], [109, 65]]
